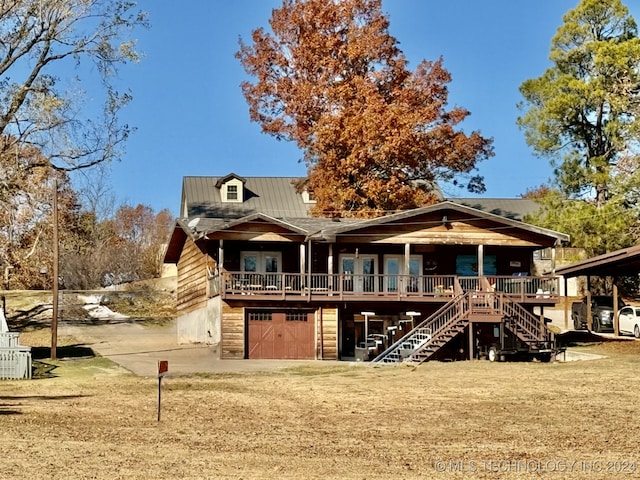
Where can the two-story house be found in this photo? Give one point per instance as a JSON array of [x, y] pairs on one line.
[[258, 277]]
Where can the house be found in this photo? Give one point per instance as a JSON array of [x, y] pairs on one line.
[[258, 277]]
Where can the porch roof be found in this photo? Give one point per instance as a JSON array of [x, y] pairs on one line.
[[472, 213], [621, 262]]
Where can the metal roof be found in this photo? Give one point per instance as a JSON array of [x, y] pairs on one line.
[[273, 196], [277, 197], [275, 200], [513, 208], [618, 263]]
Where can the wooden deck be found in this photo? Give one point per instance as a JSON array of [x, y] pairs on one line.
[[379, 288]]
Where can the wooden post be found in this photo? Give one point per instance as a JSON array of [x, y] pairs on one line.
[[589, 322], [330, 267], [407, 261], [54, 280], [480, 260], [470, 340], [615, 319], [303, 268], [566, 304], [309, 264], [220, 255], [318, 316]]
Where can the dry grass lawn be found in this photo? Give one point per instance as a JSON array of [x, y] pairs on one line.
[[441, 420]]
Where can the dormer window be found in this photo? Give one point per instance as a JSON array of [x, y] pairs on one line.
[[231, 188], [308, 197]]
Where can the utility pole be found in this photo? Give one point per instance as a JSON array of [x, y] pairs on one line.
[[54, 286]]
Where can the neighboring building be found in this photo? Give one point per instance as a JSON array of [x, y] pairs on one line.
[[260, 278]]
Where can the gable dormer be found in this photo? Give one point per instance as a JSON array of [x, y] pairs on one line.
[[308, 197], [231, 188]]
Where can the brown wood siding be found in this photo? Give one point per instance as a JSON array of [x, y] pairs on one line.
[[232, 343], [457, 229], [458, 234], [327, 326], [192, 279]]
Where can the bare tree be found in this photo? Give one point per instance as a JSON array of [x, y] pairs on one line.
[[41, 105]]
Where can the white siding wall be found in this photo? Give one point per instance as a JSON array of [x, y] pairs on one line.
[[202, 325]]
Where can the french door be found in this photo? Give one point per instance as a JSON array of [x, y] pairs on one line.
[[358, 273], [395, 277], [262, 268]]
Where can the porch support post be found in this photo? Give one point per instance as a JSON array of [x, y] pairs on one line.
[[470, 340], [309, 263], [589, 326], [616, 326], [480, 260], [330, 266], [303, 263], [407, 266], [220, 254], [553, 260], [407, 258], [566, 302]]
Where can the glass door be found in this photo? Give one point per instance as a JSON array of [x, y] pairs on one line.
[[368, 278], [391, 272], [358, 273], [395, 278], [261, 269]]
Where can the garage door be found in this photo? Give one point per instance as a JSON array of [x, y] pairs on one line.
[[281, 335]]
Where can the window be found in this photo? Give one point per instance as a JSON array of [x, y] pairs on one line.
[[543, 254], [232, 192], [296, 317], [308, 197], [260, 316]]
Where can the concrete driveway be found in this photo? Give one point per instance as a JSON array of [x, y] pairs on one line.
[[139, 348]]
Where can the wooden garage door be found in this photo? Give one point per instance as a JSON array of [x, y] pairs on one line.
[[281, 335]]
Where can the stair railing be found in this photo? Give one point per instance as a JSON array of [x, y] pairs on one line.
[[436, 323], [529, 324]]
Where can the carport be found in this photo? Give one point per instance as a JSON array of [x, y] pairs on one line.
[[621, 263]]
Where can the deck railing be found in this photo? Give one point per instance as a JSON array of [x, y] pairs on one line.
[[346, 285]]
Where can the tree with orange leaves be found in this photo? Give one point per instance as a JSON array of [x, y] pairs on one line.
[[376, 137]]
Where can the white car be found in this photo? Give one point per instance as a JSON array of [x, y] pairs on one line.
[[629, 320]]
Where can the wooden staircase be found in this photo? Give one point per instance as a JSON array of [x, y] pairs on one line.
[[440, 327], [436, 331]]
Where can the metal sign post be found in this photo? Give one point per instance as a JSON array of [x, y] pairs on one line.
[[163, 368]]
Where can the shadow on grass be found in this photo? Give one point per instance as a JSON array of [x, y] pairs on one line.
[[9, 403], [574, 338], [67, 351]]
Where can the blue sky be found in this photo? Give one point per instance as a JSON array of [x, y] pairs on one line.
[[192, 119]]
